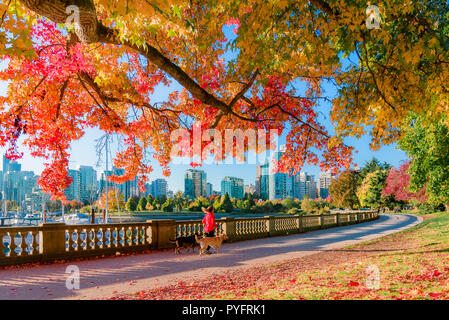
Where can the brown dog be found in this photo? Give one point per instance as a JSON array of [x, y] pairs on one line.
[[187, 242], [214, 242]]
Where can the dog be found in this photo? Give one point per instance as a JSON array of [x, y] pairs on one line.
[[214, 242], [188, 242]]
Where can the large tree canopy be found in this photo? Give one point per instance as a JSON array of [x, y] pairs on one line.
[[427, 144], [102, 71]]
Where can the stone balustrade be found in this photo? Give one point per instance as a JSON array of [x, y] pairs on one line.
[[53, 241]]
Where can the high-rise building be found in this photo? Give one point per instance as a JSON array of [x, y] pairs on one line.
[[233, 186], [249, 189], [307, 186], [280, 185], [159, 188], [84, 184], [324, 183], [272, 185], [209, 189], [195, 183], [73, 192], [88, 183], [10, 165], [262, 180]]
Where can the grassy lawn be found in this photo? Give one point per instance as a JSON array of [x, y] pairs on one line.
[[412, 264]]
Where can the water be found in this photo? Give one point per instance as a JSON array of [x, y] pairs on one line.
[[190, 216]]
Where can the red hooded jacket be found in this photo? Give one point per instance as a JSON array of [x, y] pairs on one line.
[[209, 222]]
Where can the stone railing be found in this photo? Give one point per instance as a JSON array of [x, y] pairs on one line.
[[52, 241]]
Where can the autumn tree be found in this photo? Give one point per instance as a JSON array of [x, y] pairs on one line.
[[101, 71], [308, 205], [427, 144], [397, 186], [343, 190], [115, 200], [168, 205], [369, 192]]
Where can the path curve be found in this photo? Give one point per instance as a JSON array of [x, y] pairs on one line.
[[102, 278]]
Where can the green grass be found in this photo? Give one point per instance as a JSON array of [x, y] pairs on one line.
[[419, 272]]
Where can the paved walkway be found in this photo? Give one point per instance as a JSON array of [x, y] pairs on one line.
[[102, 278]]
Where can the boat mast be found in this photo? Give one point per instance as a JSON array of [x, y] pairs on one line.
[[62, 204], [107, 182]]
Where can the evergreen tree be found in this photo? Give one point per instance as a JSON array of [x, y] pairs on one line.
[[167, 206], [226, 204], [150, 200], [142, 204], [131, 204]]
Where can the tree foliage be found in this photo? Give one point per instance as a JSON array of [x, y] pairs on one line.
[[142, 204], [372, 166], [343, 190], [131, 204], [168, 205], [369, 192], [427, 144], [397, 185], [226, 204], [112, 200], [102, 72]]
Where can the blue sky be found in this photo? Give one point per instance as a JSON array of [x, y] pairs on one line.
[[83, 151]]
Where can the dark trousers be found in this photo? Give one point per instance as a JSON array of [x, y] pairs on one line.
[[209, 234]]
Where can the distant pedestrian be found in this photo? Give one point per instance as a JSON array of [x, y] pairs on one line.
[[209, 223]]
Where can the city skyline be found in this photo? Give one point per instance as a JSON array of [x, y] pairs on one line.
[[83, 151], [175, 182]]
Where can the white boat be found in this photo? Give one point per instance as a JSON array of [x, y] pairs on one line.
[[76, 218], [100, 220]]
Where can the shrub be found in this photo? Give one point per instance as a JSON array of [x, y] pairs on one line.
[[167, 206], [426, 208], [295, 211], [309, 206], [142, 205], [131, 204]]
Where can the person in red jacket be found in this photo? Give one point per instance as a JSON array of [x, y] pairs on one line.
[[209, 224]]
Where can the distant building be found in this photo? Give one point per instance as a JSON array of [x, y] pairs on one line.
[[233, 186], [324, 182], [73, 192], [159, 188], [271, 184], [128, 189], [262, 181], [88, 183], [194, 183], [249, 189], [307, 186], [280, 185], [15, 184], [209, 189]]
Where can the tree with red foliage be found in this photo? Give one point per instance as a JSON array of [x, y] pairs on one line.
[[397, 184]]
